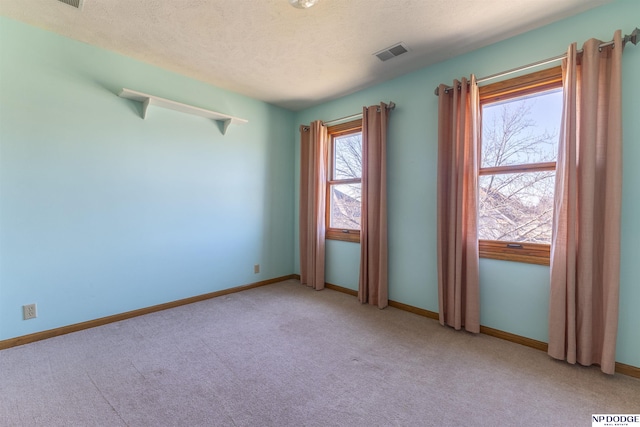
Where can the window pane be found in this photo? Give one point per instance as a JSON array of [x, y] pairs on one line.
[[348, 156], [516, 207], [521, 130], [345, 206]]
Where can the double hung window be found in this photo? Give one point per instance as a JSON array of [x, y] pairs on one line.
[[516, 183], [344, 182]]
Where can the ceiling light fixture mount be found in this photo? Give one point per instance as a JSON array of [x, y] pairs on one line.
[[303, 4]]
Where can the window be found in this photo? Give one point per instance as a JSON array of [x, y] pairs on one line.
[[344, 182], [519, 145]]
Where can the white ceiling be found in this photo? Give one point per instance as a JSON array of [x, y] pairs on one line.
[[290, 57]]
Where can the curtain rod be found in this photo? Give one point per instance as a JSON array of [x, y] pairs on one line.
[[633, 38], [391, 106], [343, 119]]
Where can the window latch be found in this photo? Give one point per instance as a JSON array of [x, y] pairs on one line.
[[345, 231], [514, 245]]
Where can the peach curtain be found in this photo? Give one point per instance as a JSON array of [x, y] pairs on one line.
[[373, 283], [313, 158], [458, 137], [585, 250]]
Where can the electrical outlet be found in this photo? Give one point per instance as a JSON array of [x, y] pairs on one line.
[[29, 311], [256, 269]]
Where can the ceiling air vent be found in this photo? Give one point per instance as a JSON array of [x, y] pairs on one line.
[[391, 52], [75, 3]]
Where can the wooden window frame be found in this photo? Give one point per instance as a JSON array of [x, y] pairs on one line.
[[346, 235], [540, 81]]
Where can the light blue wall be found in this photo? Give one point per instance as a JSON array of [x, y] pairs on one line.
[[514, 296], [102, 212]]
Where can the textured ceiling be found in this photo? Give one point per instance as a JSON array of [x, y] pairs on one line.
[[291, 57]]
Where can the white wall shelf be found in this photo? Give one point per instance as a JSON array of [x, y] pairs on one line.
[[148, 100]]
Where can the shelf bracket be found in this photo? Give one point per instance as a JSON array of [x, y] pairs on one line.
[[225, 125], [145, 106]]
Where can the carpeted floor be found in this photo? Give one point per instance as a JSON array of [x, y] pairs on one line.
[[285, 355]]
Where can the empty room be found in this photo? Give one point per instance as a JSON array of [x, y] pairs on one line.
[[319, 212]]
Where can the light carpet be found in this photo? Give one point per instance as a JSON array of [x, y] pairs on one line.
[[285, 355]]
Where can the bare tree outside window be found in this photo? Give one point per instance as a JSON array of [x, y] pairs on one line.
[[346, 188], [517, 171], [348, 156]]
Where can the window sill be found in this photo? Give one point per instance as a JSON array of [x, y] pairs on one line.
[[531, 253], [343, 235]]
